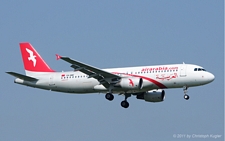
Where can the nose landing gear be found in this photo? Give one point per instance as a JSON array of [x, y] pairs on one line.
[[185, 92], [186, 96]]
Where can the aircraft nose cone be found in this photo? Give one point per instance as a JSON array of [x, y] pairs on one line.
[[211, 77]]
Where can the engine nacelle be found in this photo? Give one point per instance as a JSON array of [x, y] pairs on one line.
[[152, 96], [130, 83]]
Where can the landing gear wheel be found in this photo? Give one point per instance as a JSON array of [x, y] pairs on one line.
[[124, 104], [109, 96], [186, 96], [185, 92]]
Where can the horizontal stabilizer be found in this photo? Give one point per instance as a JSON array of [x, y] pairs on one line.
[[21, 76]]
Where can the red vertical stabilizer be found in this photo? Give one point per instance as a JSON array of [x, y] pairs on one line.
[[32, 60]]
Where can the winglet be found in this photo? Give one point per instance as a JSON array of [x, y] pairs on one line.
[[58, 57]]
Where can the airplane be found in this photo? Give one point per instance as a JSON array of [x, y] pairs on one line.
[[145, 82]]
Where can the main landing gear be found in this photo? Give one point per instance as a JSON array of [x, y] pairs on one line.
[[185, 92], [124, 103], [109, 96]]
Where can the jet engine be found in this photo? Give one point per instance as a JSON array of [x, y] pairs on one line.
[[130, 83], [152, 96]]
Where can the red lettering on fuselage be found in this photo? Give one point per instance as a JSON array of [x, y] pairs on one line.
[[159, 68]]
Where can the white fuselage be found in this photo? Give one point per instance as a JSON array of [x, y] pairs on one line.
[[154, 77]]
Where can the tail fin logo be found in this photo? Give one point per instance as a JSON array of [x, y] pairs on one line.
[[32, 57]]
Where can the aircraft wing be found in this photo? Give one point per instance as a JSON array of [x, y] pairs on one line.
[[105, 78], [21, 76]]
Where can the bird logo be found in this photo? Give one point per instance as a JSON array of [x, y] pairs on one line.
[[131, 83], [32, 56]]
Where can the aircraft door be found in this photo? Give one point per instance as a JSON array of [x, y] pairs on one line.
[[51, 81], [183, 70]]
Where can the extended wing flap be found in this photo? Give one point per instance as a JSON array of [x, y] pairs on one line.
[[21, 76]]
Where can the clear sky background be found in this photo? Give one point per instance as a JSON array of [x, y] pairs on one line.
[[109, 34]]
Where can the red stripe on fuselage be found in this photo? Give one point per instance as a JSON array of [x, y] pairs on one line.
[[160, 85]]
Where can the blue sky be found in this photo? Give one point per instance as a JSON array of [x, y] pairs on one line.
[[109, 34]]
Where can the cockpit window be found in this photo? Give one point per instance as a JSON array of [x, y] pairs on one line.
[[199, 69]]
